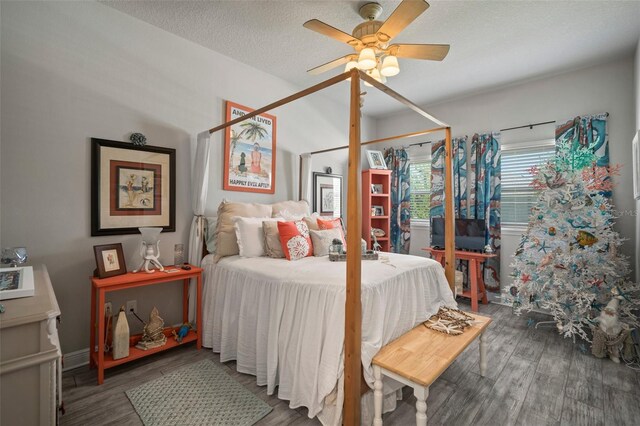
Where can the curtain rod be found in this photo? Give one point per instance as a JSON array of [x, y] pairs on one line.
[[530, 126]]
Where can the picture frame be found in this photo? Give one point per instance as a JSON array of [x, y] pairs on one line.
[[636, 165], [376, 160], [16, 282], [377, 210], [249, 151], [327, 194], [376, 188], [109, 260], [131, 187]]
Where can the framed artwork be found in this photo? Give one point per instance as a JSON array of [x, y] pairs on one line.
[[109, 260], [249, 152], [327, 194], [376, 188], [636, 166], [16, 282], [377, 210], [376, 160], [131, 187]]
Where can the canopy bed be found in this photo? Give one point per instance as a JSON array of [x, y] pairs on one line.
[[358, 282]]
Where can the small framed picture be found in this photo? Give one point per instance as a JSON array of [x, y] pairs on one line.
[[109, 260], [376, 160], [377, 211], [376, 188]]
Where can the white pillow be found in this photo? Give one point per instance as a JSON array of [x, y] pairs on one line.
[[323, 239], [250, 235]]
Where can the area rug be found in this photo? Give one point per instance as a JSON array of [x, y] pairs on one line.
[[199, 394]]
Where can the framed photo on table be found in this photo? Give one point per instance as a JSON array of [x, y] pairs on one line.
[[249, 152], [131, 187], [109, 260]]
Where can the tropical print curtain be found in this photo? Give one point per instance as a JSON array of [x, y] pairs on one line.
[[400, 218], [459, 177], [582, 139], [484, 197]]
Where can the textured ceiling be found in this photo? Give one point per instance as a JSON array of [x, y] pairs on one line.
[[493, 43]]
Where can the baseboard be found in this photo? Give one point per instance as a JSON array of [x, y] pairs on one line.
[[75, 359]]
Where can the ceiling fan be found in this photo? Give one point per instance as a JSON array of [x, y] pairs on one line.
[[370, 39]]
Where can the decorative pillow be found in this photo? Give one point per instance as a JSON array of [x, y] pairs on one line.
[[323, 239], [225, 235], [272, 245], [312, 222], [250, 235], [330, 224], [210, 234], [290, 208], [295, 240]]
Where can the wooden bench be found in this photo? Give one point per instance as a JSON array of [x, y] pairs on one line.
[[419, 357]]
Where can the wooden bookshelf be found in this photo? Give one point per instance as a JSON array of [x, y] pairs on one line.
[[369, 199]]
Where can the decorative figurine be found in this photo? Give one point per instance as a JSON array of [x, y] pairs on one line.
[[152, 334], [14, 256], [610, 336], [375, 246], [121, 336], [138, 139], [149, 255], [182, 331]]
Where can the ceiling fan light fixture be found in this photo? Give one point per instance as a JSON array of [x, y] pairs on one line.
[[390, 66], [376, 75], [367, 59], [350, 65]]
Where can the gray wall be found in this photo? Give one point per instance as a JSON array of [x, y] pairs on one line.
[[602, 88], [637, 211], [72, 71]]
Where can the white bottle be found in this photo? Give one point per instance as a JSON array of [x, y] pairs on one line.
[[121, 336]]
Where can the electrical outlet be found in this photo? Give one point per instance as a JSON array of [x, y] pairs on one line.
[[132, 306], [108, 308]]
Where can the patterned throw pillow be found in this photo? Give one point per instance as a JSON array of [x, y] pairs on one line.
[[295, 240], [322, 240], [331, 224]]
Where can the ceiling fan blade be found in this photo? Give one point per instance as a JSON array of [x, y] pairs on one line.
[[432, 52], [329, 65], [329, 31], [404, 14]]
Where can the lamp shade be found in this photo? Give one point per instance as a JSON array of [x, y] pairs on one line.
[[367, 59], [390, 66], [350, 65], [376, 75]]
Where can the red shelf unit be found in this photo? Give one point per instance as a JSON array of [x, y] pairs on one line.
[[376, 177]]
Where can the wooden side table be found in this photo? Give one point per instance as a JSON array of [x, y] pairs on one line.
[[130, 280], [476, 281]]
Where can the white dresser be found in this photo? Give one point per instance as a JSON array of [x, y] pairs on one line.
[[30, 356]]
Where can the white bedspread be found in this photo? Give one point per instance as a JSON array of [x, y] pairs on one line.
[[283, 321]]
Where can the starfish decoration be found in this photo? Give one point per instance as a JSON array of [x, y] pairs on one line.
[[583, 348], [531, 322], [566, 305], [525, 278], [443, 327], [543, 246]]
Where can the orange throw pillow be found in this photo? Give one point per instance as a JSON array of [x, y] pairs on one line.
[[295, 240], [330, 224]]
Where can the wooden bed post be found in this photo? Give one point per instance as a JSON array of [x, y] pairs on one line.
[[449, 213], [353, 304]]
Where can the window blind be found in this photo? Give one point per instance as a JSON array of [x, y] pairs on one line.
[[517, 196], [420, 175]]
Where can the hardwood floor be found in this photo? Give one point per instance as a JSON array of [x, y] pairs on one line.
[[534, 377]]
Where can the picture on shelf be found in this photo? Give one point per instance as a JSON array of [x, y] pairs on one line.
[[376, 188], [109, 260], [377, 211], [376, 160]]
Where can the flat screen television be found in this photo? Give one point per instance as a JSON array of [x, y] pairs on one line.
[[469, 233]]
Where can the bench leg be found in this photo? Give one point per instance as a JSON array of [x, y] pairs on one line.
[[421, 393], [483, 354], [377, 396]]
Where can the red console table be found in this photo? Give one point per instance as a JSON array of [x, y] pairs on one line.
[[476, 281], [130, 280]]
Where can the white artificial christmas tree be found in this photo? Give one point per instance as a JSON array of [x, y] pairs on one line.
[[568, 261]]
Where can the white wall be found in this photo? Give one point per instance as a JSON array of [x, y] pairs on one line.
[[603, 88], [72, 71], [637, 85]]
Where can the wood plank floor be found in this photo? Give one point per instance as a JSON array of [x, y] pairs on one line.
[[535, 377]]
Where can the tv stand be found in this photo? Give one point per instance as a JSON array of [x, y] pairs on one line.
[[476, 290]]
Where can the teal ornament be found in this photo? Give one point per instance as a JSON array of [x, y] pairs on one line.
[[138, 139], [182, 332]]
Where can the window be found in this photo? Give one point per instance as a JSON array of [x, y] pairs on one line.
[[517, 197], [420, 178]]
